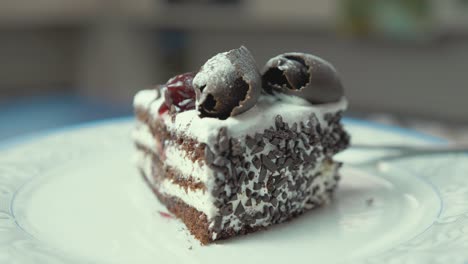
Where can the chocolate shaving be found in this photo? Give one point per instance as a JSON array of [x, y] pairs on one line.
[[239, 210], [227, 209], [225, 89], [256, 162], [283, 193], [220, 161], [270, 165], [209, 156], [250, 142], [303, 75], [262, 175]]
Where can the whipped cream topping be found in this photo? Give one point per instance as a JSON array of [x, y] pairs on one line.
[[142, 136], [144, 98], [292, 109]]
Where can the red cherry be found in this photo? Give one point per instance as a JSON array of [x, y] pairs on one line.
[[163, 108], [179, 93]]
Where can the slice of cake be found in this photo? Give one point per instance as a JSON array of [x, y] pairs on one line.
[[230, 150]]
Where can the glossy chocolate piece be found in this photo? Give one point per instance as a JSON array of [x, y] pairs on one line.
[[303, 75], [228, 84]]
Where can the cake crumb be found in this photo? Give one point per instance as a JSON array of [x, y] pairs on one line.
[[165, 215], [190, 248], [370, 201]]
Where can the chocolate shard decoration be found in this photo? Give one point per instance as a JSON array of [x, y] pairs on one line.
[[303, 75], [239, 210], [227, 85]]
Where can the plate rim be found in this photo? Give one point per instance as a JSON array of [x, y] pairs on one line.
[[9, 143]]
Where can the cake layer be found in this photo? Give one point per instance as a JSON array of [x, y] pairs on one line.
[[177, 158]]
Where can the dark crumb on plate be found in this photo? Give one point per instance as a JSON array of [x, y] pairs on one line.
[[370, 201], [190, 248]]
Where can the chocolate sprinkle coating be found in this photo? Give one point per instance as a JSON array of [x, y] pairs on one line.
[[250, 142], [274, 176], [262, 175], [239, 210], [303, 75], [209, 156], [256, 149], [242, 177], [269, 164], [227, 209], [256, 162], [228, 84]]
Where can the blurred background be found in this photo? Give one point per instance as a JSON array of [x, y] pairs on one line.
[[65, 61]]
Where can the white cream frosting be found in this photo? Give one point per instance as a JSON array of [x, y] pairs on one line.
[[177, 159], [142, 135], [292, 109], [144, 98], [198, 199]]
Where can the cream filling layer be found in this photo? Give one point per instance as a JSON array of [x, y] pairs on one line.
[[142, 136], [178, 160], [175, 157], [199, 199]]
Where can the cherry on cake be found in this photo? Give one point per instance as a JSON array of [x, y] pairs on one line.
[[231, 149]]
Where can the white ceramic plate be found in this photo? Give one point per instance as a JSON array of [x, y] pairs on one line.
[[74, 196]]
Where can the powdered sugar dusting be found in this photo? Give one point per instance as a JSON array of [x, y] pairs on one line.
[[245, 64], [219, 79], [214, 70], [145, 97], [314, 58]]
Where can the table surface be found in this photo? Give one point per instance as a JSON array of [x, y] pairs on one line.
[[34, 114]]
